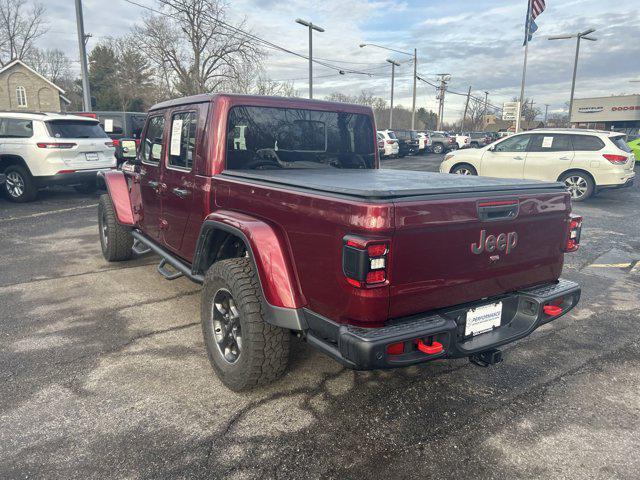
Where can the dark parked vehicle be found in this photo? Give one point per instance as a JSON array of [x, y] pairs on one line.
[[408, 142], [278, 208], [479, 139]]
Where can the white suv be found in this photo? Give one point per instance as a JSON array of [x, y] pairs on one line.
[[42, 149], [585, 160], [391, 146]]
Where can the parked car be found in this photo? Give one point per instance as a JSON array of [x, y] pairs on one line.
[[424, 142], [586, 161], [391, 147], [634, 144], [407, 142], [2, 179], [479, 139], [293, 231], [442, 143], [42, 149], [463, 140]]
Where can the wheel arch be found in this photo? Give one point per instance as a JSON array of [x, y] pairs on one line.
[[459, 164], [8, 159], [578, 170]]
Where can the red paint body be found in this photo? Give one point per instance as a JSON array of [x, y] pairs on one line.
[[297, 236]]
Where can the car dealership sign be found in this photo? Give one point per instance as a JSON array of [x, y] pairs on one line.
[[606, 109]]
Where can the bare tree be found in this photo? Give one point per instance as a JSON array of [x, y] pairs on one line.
[[20, 25], [192, 48], [53, 64]]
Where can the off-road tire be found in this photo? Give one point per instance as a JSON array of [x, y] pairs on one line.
[[437, 148], [29, 188], [264, 355], [116, 247]]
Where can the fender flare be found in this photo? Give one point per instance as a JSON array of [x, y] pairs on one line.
[[118, 191], [283, 299]]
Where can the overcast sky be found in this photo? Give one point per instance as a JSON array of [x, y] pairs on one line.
[[479, 42]]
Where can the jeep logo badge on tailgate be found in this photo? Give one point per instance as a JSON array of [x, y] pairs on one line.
[[503, 242]]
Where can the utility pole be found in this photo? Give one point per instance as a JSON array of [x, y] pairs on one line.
[[394, 64], [415, 78], [466, 107], [311, 27], [444, 78], [82, 44], [486, 102], [546, 111]]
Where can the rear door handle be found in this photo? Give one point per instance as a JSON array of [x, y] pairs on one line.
[[180, 192], [565, 158], [518, 158]]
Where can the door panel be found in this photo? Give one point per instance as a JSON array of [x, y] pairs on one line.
[[178, 175], [507, 159], [549, 155], [152, 150]]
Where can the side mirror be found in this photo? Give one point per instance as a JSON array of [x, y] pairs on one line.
[[128, 151]]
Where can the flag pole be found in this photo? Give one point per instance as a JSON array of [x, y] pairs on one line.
[[524, 67]]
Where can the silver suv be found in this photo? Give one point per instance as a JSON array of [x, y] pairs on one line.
[[42, 149]]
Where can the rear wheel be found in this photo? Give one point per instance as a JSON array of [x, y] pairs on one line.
[[244, 350], [438, 148], [579, 184], [115, 239], [19, 185], [464, 169]]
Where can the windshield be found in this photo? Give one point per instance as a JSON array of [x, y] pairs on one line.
[[268, 138], [75, 129]]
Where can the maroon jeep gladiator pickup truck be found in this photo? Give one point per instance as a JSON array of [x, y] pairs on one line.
[[278, 208]]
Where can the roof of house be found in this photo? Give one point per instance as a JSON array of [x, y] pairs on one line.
[[17, 61]]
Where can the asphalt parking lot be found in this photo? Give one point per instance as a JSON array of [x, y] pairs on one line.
[[104, 374]]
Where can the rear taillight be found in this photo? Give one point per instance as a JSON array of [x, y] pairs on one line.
[[110, 144], [55, 145], [389, 142], [365, 261], [573, 234], [616, 159], [116, 142]]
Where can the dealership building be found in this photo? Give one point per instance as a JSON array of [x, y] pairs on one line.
[[619, 113]]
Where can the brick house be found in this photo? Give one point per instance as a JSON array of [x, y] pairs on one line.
[[22, 88]]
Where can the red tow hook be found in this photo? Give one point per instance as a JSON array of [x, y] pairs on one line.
[[435, 347], [552, 310]]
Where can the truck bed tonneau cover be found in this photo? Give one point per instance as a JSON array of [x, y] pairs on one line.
[[379, 184]]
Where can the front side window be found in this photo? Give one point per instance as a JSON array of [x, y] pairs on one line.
[[75, 129], [288, 138], [21, 96], [551, 143], [183, 140], [152, 143], [15, 128], [517, 143]]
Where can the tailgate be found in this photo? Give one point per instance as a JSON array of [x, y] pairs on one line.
[[440, 257]]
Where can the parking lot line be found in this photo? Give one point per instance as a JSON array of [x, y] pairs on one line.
[[41, 214]]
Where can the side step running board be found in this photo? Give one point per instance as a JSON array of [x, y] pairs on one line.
[[140, 248], [168, 258]]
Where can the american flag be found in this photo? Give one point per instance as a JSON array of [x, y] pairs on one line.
[[535, 8]]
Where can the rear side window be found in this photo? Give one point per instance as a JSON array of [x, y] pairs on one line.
[[619, 142], [152, 145], [586, 143], [551, 143], [183, 140], [75, 129], [15, 128]]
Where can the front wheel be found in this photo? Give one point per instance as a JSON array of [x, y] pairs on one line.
[[464, 169], [579, 184], [115, 239], [244, 350], [438, 148]]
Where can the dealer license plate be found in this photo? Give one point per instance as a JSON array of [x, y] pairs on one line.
[[91, 156], [483, 319]]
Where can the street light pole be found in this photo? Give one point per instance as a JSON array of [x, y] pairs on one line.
[[394, 64], [415, 74], [578, 36], [311, 27], [82, 45]]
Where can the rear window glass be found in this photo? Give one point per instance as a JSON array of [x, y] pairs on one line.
[[286, 138], [588, 143], [392, 135], [75, 129], [620, 142], [15, 128]]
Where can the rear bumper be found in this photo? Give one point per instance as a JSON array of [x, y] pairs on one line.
[[626, 184], [366, 348], [71, 178]]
